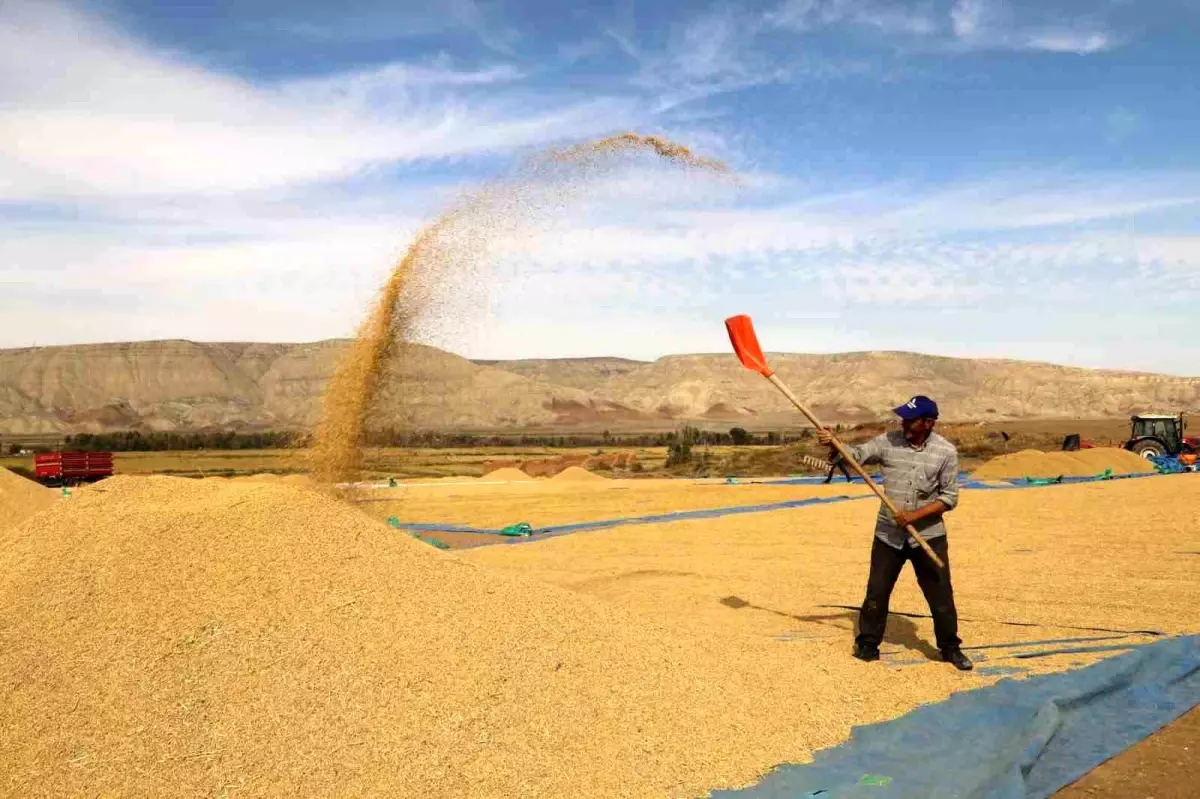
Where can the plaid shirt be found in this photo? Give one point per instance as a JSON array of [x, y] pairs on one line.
[[913, 478]]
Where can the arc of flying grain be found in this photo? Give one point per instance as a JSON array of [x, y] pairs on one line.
[[336, 454]]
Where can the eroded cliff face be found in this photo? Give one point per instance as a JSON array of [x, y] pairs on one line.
[[177, 385]]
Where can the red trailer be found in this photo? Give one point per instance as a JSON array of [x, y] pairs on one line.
[[70, 468]]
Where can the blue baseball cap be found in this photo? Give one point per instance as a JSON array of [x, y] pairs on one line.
[[917, 407]]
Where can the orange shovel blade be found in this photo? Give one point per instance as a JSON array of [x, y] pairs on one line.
[[745, 344]]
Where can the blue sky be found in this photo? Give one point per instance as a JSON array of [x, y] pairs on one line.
[[991, 178]]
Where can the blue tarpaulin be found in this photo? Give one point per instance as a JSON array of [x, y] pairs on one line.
[[706, 513], [1017, 739], [658, 518]]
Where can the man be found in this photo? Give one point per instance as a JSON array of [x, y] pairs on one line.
[[920, 472]]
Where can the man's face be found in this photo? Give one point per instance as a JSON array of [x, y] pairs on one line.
[[917, 430]]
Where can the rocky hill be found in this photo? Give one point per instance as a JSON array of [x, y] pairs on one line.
[[183, 385]]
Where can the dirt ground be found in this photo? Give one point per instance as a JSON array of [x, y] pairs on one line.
[[1160, 767]]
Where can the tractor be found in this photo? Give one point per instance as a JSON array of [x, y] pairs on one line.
[[1155, 435]]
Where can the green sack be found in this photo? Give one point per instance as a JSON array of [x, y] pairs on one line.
[[521, 529]]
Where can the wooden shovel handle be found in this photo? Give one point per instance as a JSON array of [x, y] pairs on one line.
[[845, 453]]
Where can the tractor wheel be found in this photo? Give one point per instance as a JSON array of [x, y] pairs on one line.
[[1150, 449]]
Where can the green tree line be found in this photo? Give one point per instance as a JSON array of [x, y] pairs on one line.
[[680, 440], [136, 441], [434, 439]]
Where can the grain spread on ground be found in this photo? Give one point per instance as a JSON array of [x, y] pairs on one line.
[[1042, 556], [168, 637], [163, 636], [577, 474], [544, 503], [1083, 463], [21, 498]]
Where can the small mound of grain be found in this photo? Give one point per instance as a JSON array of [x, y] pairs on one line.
[[1084, 463], [576, 474], [21, 498], [1121, 461], [508, 474], [171, 637]]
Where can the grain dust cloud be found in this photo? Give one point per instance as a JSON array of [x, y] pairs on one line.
[[454, 245]]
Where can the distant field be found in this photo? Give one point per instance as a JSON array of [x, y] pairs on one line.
[[389, 462], [977, 443]]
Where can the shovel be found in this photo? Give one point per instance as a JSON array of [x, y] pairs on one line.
[[745, 345]]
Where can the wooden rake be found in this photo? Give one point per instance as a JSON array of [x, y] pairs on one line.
[[745, 345]]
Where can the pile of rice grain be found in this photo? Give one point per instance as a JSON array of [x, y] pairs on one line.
[[1083, 463], [172, 637], [1121, 461], [21, 498], [577, 474]]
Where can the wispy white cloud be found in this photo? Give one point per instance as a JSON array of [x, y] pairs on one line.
[[655, 266], [961, 26], [114, 116], [1045, 201], [729, 48], [382, 21], [713, 52], [995, 25], [489, 26], [912, 19], [211, 207]]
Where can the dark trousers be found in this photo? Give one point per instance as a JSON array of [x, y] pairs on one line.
[[886, 564]]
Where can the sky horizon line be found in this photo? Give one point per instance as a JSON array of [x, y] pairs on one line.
[[484, 359]]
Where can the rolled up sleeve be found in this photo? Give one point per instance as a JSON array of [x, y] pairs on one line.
[[948, 481]]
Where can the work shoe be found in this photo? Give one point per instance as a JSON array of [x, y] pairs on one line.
[[960, 661], [866, 653]]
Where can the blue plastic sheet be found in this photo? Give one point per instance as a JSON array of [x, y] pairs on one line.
[[965, 481], [1004, 485], [708, 513], [1018, 739], [1168, 464], [658, 518]]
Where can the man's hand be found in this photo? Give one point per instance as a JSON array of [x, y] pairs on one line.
[[825, 438], [905, 518]]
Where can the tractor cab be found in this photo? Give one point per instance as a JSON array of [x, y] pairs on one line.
[[1156, 435]]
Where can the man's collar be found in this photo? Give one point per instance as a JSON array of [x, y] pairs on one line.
[[917, 447]]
